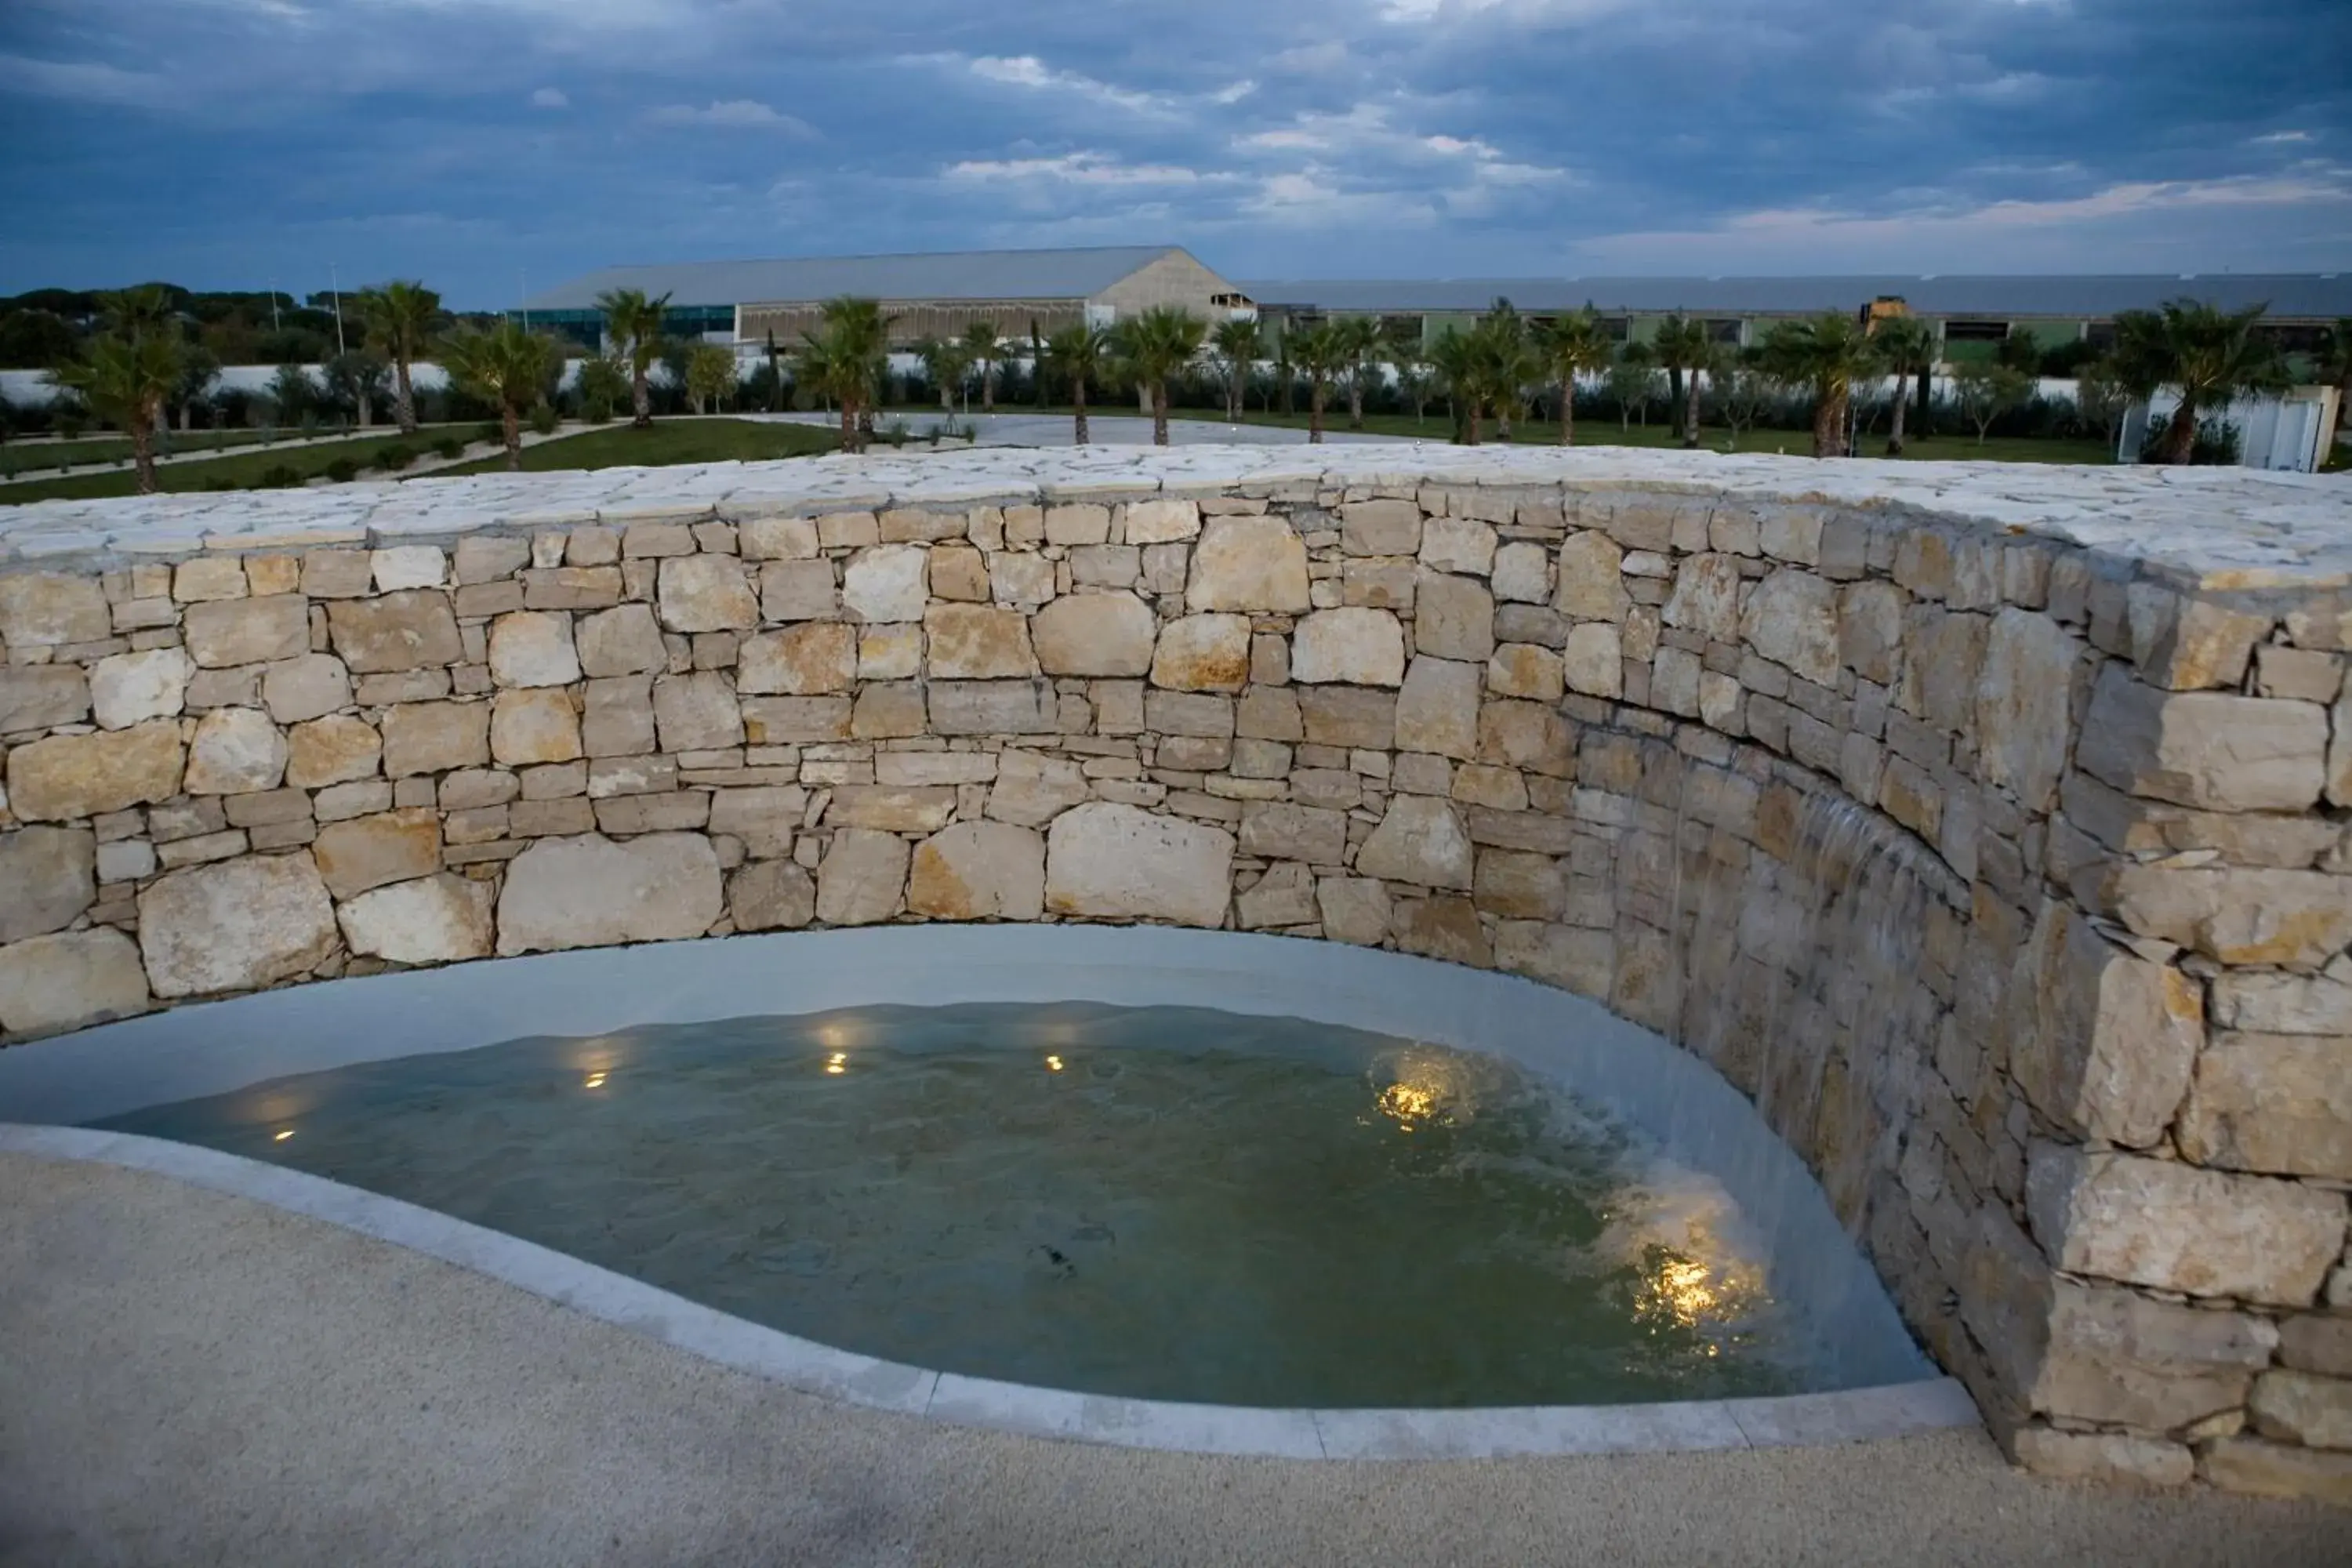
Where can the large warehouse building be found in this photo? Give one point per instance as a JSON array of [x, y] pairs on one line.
[[928, 296]]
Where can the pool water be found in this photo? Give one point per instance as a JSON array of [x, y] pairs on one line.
[[1157, 1202]]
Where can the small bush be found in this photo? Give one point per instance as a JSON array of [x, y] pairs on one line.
[[220, 484], [343, 470], [449, 446], [394, 458], [543, 419], [71, 426], [281, 477], [489, 430]]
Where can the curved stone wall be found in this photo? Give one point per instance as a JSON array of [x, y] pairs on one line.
[[1986, 825]]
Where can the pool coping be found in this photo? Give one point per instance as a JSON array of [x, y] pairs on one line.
[[1894, 1410]]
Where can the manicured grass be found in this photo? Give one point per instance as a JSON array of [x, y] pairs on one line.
[[243, 471], [669, 441], [43, 457]]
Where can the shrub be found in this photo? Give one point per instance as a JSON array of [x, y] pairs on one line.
[[281, 477], [449, 446], [542, 419], [394, 457], [70, 425], [343, 470]]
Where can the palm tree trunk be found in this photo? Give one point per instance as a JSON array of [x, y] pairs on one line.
[[848, 425], [143, 453], [1315, 414], [1236, 389], [1503, 422], [2180, 435], [367, 411], [1356, 401], [1079, 435], [641, 399], [1674, 392], [1690, 411], [1470, 423], [988, 386], [1828, 425], [404, 409], [510, 423], [1160, 414], [1895, 425], [1567, 410]]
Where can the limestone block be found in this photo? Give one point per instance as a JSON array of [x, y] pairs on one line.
[[978, 642], [2298, 919], [1591, 577], [236, 750], [1031, 790], [235, 925], [1437, 708], [69, 776], [2175, 1228], [252, 631], [1201, 653], [50, 983], [1522, 573], [589, 891], [127, 689], [1272, 713], [2005, 1290], [1381, 582], [535, 725], [2116, 1356], [770, 895], [1380, 528], [2301, 1407], [765, 817], [1422, 841], [1453, 617], [310, 687], [2339, 750], [440, 919], [1574, 958], [863, 878], [2203, 749], [886, 710], [780, 721], [617, 720], [369, 851], [2276, 1103], [958, 571], [892, 651], [1278, 830], [1095, 634], [1077, 524], [1020, 578], [2313, 1343], [1791, 618], [433, 737], [408, 566], [894, 808], [2283, 1003], [993, 708], [1705, 597], [2106, 1458], [1457, 545], [534, 648], [802, 660], [1248, 563], [2024, 701], [777, 538], [45, 879], [46, 609], [1162, 522], [1445, 929], [1476, 784], [979, 870], [37, 696], [2183, 642], [1520, 886], [1353, 908], [798, 591], [1356, 717], [484, 558], [707, 594], [1356, 646], [1119, 862], [1285, 896], [2102, 1041], [331, 749], [1870, 630], [1527, 735], [1524, 669], [696, 713], [415, 629], [886, 582], [1592, 660], [2260, 1468]]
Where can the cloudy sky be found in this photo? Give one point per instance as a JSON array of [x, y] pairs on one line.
[[480, 144]]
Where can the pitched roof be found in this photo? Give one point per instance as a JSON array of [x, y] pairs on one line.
[[944, 274], [2287, 294]]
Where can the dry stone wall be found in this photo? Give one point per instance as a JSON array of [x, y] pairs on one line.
[[2006, 864]]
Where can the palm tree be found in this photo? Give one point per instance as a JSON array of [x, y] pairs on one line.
[[1828, 354], [1322, 350], [401, 317], [709, 375], [1239, 342], [1633, 381], [1682, 346], [1359, 343], [1906, 347], [2212, 356], [1083, 353], [633, 324], [847, 360], [1510, 363], [508, 365], [1456, 360], [947, 365], [983, 348], [126, 377], [1157, 344], [1571, 345]]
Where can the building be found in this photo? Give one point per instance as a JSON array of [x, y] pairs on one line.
[[1971, 315], [1021, 292]]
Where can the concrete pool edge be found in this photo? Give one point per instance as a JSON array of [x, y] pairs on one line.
[[1797, 1420]]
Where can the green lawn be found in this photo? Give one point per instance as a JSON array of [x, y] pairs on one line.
[[243, 471], [669, 441]]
